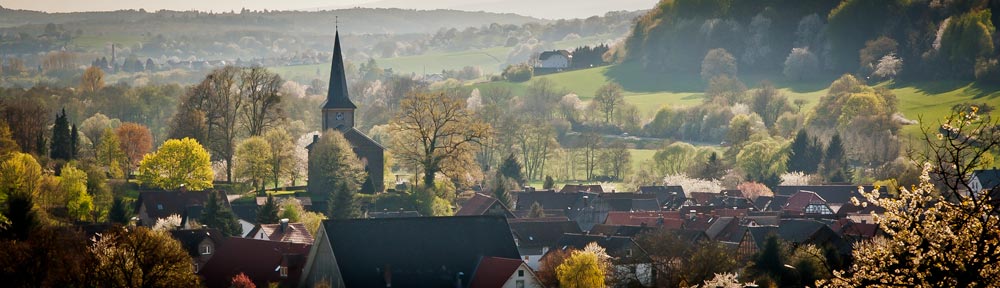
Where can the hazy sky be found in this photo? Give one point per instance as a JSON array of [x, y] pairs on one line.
[[537, 8]]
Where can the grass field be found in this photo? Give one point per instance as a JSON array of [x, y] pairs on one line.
[[489, 60], [650, 91], [96, 43]]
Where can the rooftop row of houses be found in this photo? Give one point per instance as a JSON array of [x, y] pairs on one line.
[[488, 244]]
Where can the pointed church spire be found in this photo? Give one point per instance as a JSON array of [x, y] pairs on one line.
[[336, 96]]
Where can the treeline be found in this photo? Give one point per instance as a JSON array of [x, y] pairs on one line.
[[878, 39]]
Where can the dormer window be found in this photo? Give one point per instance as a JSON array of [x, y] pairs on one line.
[[283, 271], [206, 249], [159, 206]]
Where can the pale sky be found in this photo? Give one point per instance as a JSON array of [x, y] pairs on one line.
[[550, 9]]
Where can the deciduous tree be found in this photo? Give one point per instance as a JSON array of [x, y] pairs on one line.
[[337, 168], [177, 162], [92, 80], [140, 257], [135, 140], [74, 185], [607, 98], [253, 161], [437, 133], [581, 269], [718, 62]]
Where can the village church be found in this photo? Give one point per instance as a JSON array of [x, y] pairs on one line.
[[338, 114]]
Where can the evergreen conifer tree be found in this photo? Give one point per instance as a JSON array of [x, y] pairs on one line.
[[61, 144], [268, 213], [217, 216], [511, 168]]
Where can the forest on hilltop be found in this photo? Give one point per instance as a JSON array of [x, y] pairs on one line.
[[933, 39]]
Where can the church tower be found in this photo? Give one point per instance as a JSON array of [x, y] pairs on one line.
[[338, 114], [338, 110]]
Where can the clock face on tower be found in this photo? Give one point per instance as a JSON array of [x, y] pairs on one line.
[[340, 116]]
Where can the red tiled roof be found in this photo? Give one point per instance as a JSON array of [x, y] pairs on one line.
[[671, 219], [295, 233], [258, 259], [493, 272]]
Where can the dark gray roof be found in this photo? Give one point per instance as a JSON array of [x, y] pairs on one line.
[[831, 193], [336, 96], [542, 233], [551, 200], [988, 178], [417, 252], [190, 238]]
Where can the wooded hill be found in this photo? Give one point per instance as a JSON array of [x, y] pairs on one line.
[[933, 39]]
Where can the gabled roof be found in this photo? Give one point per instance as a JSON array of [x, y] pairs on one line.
[[190, 238], [703, 198], [493, 272], [800, 200], [359, 139], [669, 197], [481, 204], [616, 246], [831, 193], [545, 55], [415, 252], [723, 224], [762, 202], [258, 259], [336, 96], [542, 233], [295, 233], [573, 188], [161, 204], [551, 200]]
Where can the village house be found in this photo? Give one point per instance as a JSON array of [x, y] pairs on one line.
[[282, 232], [263, 261], [494, 272], [534, 237], [406, 252], [200, 244], [154, 205]]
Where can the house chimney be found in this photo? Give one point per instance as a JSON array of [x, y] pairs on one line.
[[284, 225]]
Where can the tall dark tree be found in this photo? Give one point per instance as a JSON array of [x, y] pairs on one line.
[[768, 266], [806, 154], [21, 216], [549, 182], [268, 214], [119, 212], [511, 168], [341, 203], [218, 216], [61, 145], [834, 163], [500, 191], [74, 140], [713, 168]]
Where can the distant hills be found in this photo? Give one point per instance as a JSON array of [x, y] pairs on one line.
[[355, 20], [548, 9]]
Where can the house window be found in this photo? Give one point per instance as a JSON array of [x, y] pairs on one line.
[[628, 252], [206, 249], [519, 284], [196, 267], [284, 271], [159, 206], [520, 273]]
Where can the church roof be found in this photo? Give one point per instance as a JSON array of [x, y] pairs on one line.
[[337, 96]]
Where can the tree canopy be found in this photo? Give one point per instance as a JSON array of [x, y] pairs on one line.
[[177, 162]]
